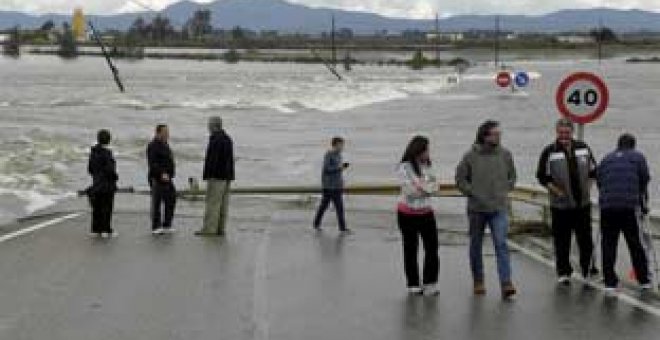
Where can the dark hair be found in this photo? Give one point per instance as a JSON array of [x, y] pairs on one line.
[[627, 141], [103, 137], [565, 122], [337, 140], [484, 130], [417, 146], [160, 127]]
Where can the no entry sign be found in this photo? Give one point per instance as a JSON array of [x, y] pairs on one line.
[[503, 79], [582, 97]]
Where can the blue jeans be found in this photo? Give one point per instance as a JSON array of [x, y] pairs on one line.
[[499, 227]]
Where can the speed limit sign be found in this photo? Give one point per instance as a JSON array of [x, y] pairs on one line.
[[582, 97]]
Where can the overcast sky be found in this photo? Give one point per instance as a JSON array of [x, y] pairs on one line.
[[398, 8]]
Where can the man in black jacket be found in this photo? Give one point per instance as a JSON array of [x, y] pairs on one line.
[[101, 193], [219, 173], [161, 177], [567, 169]]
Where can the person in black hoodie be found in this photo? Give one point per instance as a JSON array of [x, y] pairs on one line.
[[101, 193], [161, 177], [219, 173]]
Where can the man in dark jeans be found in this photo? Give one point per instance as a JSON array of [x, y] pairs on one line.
[[101, 193], [161, 177], [333, 184], [623, 178], [566, 168]]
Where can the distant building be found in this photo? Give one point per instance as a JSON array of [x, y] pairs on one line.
[[453, 37], [4, 37], [78, 25], [575, 39]]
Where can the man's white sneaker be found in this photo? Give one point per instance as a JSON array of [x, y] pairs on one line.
[[646, 287], [158, 231], [564, 280], [431, 290], [611, 291], [415, 290]]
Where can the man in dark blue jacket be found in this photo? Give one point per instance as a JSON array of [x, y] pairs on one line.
[[218, 173], [333, 184], [161, 181], [101, 193], [623, 178]]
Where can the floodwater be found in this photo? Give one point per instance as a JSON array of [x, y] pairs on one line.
[[282, 116]]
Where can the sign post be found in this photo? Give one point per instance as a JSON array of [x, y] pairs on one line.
[[583, 98]]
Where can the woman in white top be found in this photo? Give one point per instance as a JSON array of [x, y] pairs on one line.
[[416, 217]]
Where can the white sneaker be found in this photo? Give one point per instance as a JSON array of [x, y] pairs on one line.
[[415, 290], [611, 291], [169, 230], [431, 290], [564, 280], [158, 231], [646, 287], [94, 235]]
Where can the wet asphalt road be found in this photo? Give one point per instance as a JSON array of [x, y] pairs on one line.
[[273, 278]]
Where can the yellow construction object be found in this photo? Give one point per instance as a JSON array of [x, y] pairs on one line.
[[78, 25]]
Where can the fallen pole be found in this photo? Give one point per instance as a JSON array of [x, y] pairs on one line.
[[111, 65]]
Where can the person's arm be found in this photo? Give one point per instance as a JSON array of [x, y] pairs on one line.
[[593, 165], [644, 174], [410, 183], [110, 167], [543, 173], [511, 172], [429, 184], [206, 172], [464, 176], [231, 175], [90, 165]]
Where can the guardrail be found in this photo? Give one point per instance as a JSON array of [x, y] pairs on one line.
[[534, 196]]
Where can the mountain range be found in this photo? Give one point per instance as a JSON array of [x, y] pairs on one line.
[[283, 16]]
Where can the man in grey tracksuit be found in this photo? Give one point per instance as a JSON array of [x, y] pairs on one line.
[[486, 175], [567, 168]]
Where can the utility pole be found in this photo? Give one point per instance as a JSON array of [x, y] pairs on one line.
[[497, 40], [437, 38], [599, 40], [334, 47]]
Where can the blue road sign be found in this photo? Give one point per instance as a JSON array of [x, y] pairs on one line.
[[522, 79]]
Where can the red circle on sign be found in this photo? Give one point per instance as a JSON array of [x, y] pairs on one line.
[[588, 77], [504, 79]]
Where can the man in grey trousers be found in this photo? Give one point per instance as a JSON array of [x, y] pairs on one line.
[[219, 173]]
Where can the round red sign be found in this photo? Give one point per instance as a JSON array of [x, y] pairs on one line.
[[504, 79], [582, 97]]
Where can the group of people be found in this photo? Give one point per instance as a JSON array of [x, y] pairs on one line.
[[218, 172], [485, 175]]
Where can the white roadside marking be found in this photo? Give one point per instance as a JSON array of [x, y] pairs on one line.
[[621, 296], [25, 231], [260, 290]]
